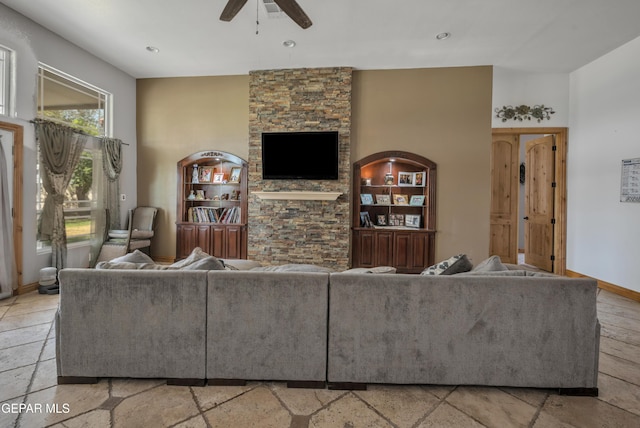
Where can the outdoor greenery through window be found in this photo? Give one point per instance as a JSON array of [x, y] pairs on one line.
[[6, 56], [65, 99]]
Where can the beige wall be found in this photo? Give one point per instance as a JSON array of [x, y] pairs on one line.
[[443, 114]]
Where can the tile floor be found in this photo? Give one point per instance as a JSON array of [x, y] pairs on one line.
[[28, 378]]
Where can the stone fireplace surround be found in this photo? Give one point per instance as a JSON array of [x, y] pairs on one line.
[[300, 230]]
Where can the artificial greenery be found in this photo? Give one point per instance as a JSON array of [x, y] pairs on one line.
[[523, 112]]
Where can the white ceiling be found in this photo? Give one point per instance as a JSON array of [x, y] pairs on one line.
[[534, 35]]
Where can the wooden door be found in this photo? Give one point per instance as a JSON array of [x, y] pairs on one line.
[[539, 202], [504, 197]]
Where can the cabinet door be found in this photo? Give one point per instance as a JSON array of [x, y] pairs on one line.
[[234, 240], [218, 242], [384, 249], [402, 243], [202, 237], [420, 245], [365, 251], [186, 239]]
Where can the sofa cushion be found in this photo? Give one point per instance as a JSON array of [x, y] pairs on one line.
[[136, 256], [293, 267], [451, 266], [492, 264]]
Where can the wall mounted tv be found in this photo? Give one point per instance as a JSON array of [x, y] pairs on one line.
[[300, 155]]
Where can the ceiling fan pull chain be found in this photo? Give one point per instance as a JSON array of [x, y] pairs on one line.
[[257, 18]]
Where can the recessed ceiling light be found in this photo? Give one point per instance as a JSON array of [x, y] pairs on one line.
[[442, 36], [289, 44], [153, 49]]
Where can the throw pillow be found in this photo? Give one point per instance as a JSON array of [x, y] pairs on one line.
[[451, 266], [116, 265], [135, 257], [207, 263], [196, 254], [492, 264], [377, 269], [293, 267]]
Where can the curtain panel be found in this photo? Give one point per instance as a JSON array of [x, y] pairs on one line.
[[112, 166], [60, 150]]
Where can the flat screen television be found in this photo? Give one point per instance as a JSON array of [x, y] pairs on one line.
[[300, 155]]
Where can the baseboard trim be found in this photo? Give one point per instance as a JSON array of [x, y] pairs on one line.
[[616, 289], [28, 288]]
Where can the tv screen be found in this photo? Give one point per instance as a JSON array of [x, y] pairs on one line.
[[300, 155]]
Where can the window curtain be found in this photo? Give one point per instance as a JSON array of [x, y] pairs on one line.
[[8, 274], [112, 166], [60, 150]]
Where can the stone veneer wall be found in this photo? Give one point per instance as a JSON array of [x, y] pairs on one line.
[[293, 231]]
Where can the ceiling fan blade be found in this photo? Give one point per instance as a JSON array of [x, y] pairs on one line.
[[231, 9], [295, 12]]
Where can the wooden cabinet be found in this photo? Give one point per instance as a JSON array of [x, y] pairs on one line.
[[212, 205], [394, 211]]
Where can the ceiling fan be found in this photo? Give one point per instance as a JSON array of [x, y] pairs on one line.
[[290, 7]]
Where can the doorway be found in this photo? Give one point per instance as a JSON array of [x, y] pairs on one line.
[[528, 196]]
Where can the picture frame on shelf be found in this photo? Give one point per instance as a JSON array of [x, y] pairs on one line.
[[420, 179], [366, 199], [206, 173], [365, 220], [416, 200], [412, 220], [388, 179], [396, 219], [234, 176], [400, 199], [382, 220], [218, 177], [405, 178], [383, 199]]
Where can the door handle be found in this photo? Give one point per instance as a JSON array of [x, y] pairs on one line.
[[525, 218]]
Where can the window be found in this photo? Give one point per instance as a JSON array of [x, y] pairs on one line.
[[64, 99], [6, 75]]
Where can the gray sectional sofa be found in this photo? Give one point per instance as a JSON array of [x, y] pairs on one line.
[[341, 329]]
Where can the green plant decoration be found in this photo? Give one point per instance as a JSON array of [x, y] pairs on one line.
[[523, 112]]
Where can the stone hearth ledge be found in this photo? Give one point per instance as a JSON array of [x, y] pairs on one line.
[[305, 196]]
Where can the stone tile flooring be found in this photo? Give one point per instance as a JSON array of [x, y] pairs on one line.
[[28, 378]]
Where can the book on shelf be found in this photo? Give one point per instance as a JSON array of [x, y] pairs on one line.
[[213, 215]]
